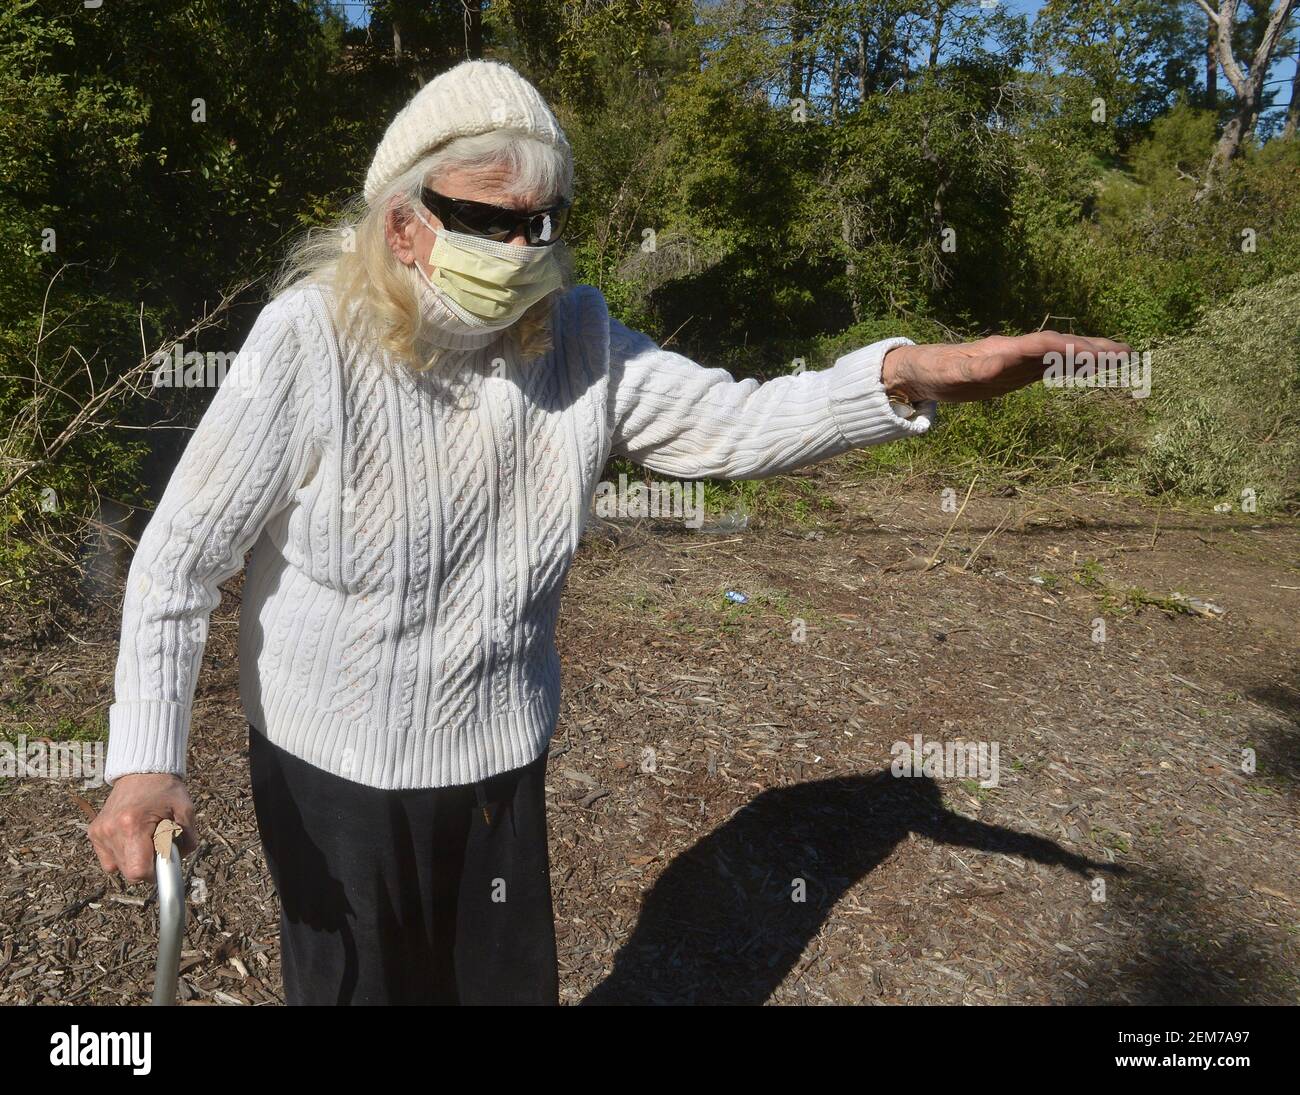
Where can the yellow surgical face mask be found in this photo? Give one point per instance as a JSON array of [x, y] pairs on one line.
[[494, 282]]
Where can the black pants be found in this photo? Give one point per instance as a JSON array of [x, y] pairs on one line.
[[407, 897]]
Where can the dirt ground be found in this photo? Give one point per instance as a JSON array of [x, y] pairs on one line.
[[725, 826]]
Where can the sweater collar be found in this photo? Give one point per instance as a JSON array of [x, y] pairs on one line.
[[446, 328]]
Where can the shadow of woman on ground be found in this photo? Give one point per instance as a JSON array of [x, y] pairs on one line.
[[724, 923]]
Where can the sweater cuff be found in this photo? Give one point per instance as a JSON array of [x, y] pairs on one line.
[[858, 402], [146, 736]]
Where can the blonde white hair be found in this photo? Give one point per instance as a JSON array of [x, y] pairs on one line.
[[376, 296]]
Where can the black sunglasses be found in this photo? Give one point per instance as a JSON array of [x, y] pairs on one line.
[[540, 228]]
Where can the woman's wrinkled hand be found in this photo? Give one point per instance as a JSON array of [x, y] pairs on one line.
[[991, 367], [122, 833]]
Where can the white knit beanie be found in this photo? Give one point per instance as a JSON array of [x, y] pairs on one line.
[[474, 97]]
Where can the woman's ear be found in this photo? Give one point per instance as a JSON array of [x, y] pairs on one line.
[[399, 231]]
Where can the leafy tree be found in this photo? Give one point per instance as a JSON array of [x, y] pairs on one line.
[[1136, 56], [1246, 78]]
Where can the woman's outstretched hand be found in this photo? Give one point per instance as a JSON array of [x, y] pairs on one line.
[[122, 833], [991, 367]]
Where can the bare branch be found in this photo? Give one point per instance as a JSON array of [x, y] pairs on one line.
[[1214, 15], [88, 414]]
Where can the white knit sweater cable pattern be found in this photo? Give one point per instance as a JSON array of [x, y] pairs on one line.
[[409, 550]]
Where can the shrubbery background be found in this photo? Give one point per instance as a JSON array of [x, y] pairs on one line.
[[798, 165]]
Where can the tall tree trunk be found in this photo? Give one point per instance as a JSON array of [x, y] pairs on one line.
[[794, 74], [936, 39], [850, 267], [835, 84], [473, 29], [1228, 147], [1211, 65], [940, 274], [1293, 111], [862, 62], [1248, 87]]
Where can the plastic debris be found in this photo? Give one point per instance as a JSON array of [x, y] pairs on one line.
[[731, 522], [736, 598], [1202, 608]]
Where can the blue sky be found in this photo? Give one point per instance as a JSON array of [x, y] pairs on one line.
[[1284, 71]]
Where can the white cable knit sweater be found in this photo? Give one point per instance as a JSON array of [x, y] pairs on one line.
[[399, 608]]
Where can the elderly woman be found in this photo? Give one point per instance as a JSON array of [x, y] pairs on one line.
[[409, 442]]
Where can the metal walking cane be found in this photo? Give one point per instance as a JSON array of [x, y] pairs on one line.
[[171, 912]]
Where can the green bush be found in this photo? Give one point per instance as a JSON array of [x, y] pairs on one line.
[[1150, 260], [1224, 413]]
